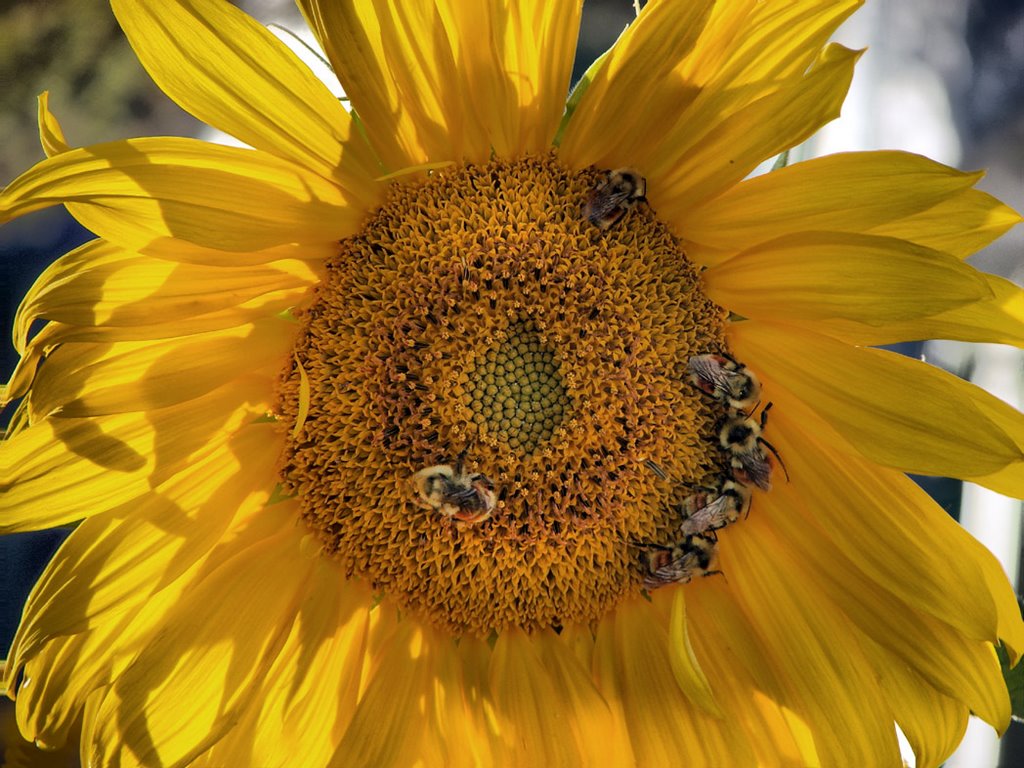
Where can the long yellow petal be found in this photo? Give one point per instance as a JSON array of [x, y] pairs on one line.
[[810, 276], [707, 154], [232, 73], [934, 724], [898, 412], [399, 65], [112, 562], [62, 470], [380, 732], [58, 677], [465, 733], [960, 667], [685, 664], [748, 43], [99, 379], [676, 55], [199, 655], [845, 192], [51, 135], [307, 698], [549, 711], [750, 690], [961, 225], [825, 674], [846, 500], [633, 667], [638, 70], [102, 284], [999, 319], [139, 192]]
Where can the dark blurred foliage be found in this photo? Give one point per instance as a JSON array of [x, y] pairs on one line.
[[994, 101]]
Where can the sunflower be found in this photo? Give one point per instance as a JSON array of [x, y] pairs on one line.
[[474, 426]]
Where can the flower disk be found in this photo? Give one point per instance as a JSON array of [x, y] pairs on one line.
[[478, 312]]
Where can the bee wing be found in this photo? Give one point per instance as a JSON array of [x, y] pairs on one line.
[[716, 514], [604, 209], [757, 469], [708, 371]]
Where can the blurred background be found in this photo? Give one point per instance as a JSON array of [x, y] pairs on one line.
[[944, 78]]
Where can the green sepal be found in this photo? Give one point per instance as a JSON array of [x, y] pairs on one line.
[[1014, 677], [577, 94]]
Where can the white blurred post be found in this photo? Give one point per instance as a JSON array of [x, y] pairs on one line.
[[995, 521]]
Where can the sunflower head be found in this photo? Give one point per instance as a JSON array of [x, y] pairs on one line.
[[482, 323]]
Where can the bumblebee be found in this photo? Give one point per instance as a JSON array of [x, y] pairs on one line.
[[468, 498], [713, 508], [740, 436], [621, 190], [725, 379], [695, 555]]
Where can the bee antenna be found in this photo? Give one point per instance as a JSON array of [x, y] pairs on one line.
[[776, 454], [764, 414]]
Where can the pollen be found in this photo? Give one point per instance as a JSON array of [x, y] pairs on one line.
[[480, 321]]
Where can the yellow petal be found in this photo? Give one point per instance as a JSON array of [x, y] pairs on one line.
[[464, 732], [806, 641], [111, 563], [99, 379], [399, 65], [139, 192], [934, 724], [549, 711], [49, 697], [898, 412], [54, 335], [846, 192], [204, 656], [809, 276], [309, 694], [102, 284], [691, 66], [999, 319], [62, 470], [58, 677], [514, 63], [685, 664], [231, 72], [749, 690], [960, 225], [382, 731], [632, 665], [606, 125], [708, 154], [1010, 625], [845, 500], [756, 43], [51, 136], [958, 666]]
